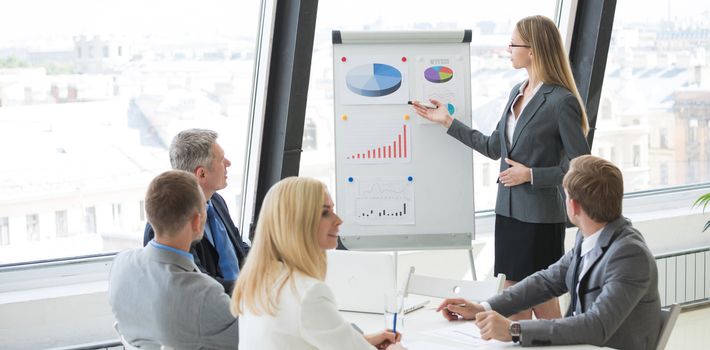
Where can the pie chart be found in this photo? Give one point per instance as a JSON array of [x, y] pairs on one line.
[[438, 74], [373, 80]]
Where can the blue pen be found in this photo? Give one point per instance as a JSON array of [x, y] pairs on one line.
[[394, 326]]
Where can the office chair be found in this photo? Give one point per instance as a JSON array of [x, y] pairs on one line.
[[668, 318], [448, 288]]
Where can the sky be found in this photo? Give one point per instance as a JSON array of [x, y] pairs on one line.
[[22, 21]]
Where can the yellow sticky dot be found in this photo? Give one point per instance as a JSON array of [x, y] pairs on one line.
[[344, 117], [406, 117]]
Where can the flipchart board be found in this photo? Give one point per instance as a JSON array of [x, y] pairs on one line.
[[401, 182]]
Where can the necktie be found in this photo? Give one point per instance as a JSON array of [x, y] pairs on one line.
[[227, 256], [573, 292]]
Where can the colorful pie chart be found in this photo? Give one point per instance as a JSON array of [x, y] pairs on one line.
[[373, 80], [438, 74]]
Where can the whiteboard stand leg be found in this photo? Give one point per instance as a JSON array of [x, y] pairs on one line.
[[395, 270], [473, 264]]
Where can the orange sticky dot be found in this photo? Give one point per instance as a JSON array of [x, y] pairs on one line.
[[406, 117], [404, 59], [344, 117], [343, 59]]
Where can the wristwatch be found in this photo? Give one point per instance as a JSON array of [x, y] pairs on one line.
[[514, 330]]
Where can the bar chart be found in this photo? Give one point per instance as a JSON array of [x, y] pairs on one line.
[[383, 200], [393, 145]]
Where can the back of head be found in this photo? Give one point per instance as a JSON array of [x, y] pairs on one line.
[[172, 199], [286, 235], [597, 185], [192, 148], [549, 60]]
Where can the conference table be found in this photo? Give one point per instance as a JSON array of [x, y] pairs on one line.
[[426, 329]]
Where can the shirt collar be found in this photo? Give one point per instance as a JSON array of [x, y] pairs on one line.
[[171, 249], [525, 83], [589, 242]]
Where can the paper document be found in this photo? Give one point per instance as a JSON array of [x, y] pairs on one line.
[[465, 333], [426, 345]]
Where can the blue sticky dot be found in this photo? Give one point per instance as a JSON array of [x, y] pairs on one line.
[[350, 179], [451, 108], [410, 178]]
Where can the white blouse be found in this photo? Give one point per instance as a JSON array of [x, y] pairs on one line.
[[512, 120], [307, 318]]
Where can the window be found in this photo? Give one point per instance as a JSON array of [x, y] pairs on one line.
[[4, 231], [663, 138], [492, 75], [60, 219], [654, 84], [692, 131], [90, 220], [637, 155], [663, 171], [310, 140], [32, 227], [101, 97], [116, 214]]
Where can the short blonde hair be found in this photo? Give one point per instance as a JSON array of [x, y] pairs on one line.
[[286, 238], [171, 200], [549, 60], [597, 185]]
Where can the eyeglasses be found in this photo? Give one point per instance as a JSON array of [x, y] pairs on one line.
[[516, 45]]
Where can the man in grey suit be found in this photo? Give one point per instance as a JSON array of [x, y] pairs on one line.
[[156, 292], [610, 274]]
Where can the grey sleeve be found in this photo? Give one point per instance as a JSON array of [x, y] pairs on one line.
[[534, 289], [574, 143], [488, 146], [218, 328], [627, 278]]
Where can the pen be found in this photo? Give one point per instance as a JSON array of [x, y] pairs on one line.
[[394, 326], [459, 305], [424, 104]]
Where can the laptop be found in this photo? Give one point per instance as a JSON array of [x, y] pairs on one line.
[[359, 281]]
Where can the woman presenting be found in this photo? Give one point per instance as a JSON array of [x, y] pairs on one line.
[[542, 128], [280, 295]]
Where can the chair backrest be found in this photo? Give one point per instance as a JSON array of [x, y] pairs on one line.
[[448, 288], [128, 346], [668, 318]]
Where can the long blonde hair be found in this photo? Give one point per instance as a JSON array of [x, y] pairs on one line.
[[549, 60], [285, 238]]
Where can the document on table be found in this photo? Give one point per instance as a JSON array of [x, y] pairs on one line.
[[427, 345], [465, 333]]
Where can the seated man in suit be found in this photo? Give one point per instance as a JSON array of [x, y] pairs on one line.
[[221, 252], [156, 292], [610, 274]]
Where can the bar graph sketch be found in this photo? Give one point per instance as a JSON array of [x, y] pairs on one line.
[[383, 200], [378, 140]]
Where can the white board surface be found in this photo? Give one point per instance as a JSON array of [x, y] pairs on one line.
[[401, 181]]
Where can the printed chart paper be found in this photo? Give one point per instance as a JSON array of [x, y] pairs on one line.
[[438, 77], [376, 139], [382, 200], [368, 81]]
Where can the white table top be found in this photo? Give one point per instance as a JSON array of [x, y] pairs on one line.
[[417, 323]]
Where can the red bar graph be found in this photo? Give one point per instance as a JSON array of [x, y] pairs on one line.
[[397, 150]]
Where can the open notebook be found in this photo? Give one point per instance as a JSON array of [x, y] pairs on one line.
[[359, 281]]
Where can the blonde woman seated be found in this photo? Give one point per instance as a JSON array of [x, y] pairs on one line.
[[280, 296]]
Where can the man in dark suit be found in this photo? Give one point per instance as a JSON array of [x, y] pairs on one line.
[[610, 274], [221, 252]]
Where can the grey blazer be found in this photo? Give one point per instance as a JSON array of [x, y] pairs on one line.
[[547, 136], [159, 296], [619, 308]]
